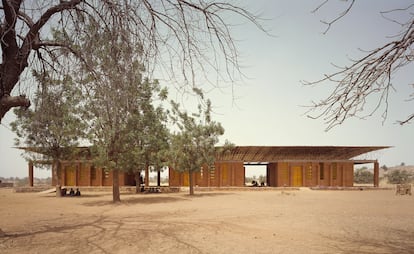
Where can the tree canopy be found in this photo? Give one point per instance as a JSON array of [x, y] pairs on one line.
[[181, 37], [193, 146], [53, 125]]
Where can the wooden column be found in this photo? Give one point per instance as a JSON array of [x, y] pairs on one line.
[[376, 174], [31, 173], [159, 178]]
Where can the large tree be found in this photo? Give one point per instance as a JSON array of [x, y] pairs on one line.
[[368, 78], [53, 127], [193, 146], [146, 142], [182, 36], [126, 129]]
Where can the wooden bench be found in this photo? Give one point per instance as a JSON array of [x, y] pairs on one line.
[[152, 189], [403, 189]]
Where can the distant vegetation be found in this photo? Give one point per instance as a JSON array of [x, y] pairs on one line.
[[363, 175], [20, 182], [393, 175], [400, 176]]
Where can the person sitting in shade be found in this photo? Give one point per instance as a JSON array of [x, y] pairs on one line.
[[71, 192], [77, 192]]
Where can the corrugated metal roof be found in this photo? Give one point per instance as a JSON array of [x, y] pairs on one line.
[[278, 153]]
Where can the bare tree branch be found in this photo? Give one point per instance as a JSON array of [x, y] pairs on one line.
[[337, 18], [185, 39], [369, 76]]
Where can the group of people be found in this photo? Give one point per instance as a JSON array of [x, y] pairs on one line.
[[71, 193], [256, 183]]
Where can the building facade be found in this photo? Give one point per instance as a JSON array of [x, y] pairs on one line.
[[286, 166]]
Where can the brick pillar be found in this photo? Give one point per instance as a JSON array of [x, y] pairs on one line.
[[376, 174], [31, 173]]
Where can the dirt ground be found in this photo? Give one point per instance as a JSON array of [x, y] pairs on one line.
[[300, 221]]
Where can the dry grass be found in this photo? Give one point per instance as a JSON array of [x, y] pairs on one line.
[[301, 221]]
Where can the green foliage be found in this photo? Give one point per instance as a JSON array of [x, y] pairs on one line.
[[146, 138], [127, 130], [399, 176], [362, 175], [52, 126], [194, 145]]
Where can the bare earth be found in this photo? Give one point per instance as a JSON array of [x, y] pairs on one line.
[[301, 221]]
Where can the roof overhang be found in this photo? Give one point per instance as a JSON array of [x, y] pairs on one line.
[[294, 153]]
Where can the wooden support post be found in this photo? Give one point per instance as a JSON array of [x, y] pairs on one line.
[[31, 173], [376, 174]]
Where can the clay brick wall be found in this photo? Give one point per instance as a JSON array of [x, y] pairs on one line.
[[348, 174], [283, 174], [174, 177], [84, 174]]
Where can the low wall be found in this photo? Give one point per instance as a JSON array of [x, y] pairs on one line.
[[6, 185]]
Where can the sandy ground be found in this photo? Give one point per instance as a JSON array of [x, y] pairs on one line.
[[301, 221]]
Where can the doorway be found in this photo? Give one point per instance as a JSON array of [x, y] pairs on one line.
[[255, 174]]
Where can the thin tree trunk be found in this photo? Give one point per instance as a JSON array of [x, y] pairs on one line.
[[138, 182], [190, 181], [116, 197], [56, 174], [159, 178]]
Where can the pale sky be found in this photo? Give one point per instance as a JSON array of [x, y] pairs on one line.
[[268, 107]]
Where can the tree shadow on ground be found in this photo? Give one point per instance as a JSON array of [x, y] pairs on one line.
[[100, 235], [397, 241], [88, 195], [209, 194], [137, 200]]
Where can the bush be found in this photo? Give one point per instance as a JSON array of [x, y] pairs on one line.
[[362, 175], [399, 176]]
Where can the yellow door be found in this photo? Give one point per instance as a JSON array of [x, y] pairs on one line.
[[70, 176], [186, 179], [297, 176]]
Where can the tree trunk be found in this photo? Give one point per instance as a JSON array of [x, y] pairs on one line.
[[7, 102], [159, 178], [138, 182], [190, 181], [56, 176], [115, 186]]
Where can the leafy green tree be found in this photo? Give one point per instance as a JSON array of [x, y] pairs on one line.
[[146, 142], [193, 146], [53, 127], [126, 129]]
